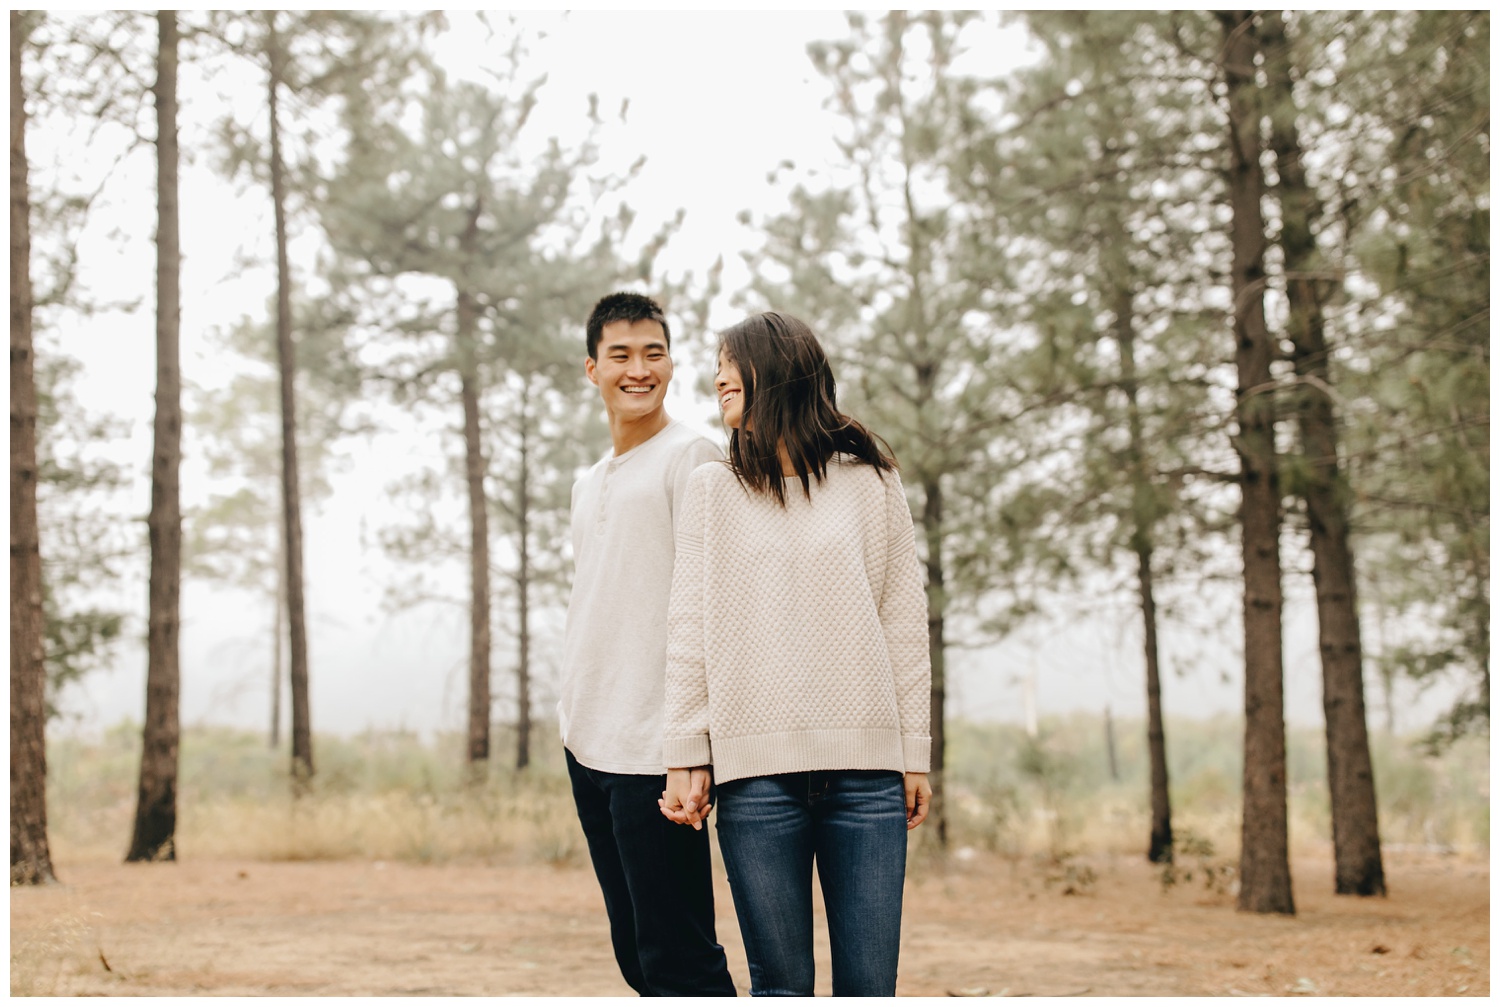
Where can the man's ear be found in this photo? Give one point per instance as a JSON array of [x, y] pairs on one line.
[[589, 363]]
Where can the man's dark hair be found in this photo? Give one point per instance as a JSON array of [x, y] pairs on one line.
[[624, 307]]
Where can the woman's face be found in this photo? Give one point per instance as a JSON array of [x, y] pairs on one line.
[[731, 391]]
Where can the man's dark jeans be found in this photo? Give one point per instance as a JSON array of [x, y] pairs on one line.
[[657, 882]]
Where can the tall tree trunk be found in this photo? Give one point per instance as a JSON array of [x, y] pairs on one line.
[[932, 528], [30, 856], [1385, 669], [278, 630], [1159, 849], [1265, 873], [156, 802], [523, 588], [1119, 289], [926, 373], [291, 494], [479, 530], [1143, 509], [1109, 745], [1351, 778]]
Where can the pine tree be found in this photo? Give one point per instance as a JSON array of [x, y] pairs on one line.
[[1417, 91], [72, 93], [30, 853], [1351, 780], [154, 836], [1265, 870], [544, 439], [236, 537], [1099, 197], [470, 199], [312, 57]]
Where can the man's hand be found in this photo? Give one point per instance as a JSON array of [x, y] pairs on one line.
[[685, 801], [918, 799]]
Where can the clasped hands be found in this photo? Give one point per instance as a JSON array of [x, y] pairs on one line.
[[686, 800]]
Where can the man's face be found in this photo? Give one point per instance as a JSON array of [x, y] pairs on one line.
[[632, 369]]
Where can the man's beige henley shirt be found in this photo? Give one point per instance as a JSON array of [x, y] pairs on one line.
[[615, 642]]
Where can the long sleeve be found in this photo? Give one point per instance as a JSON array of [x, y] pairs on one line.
[[700, 452], [685, 741], [903, 619]]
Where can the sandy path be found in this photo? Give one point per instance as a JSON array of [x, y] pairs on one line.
[[985, 926]]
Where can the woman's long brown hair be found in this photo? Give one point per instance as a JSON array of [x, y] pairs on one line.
[[790, 399]]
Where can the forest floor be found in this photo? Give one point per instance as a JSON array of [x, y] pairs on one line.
[[978, 925]]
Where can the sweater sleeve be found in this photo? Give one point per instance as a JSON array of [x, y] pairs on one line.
[[699, 451], [685, 741], [903, 618]]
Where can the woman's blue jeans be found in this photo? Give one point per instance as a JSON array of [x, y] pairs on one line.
[[853, 824]]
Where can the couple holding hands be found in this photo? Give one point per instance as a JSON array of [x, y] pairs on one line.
[[746, 629]]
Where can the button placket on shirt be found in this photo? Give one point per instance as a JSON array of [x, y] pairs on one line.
[[609, 470]]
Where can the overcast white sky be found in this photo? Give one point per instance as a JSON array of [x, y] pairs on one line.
[[717, 100]]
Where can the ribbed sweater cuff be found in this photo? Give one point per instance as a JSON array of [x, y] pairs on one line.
[[686, 753], [916, 752]]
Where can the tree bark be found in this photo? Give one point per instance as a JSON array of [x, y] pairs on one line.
[[278, 633], [1351, 779], [1159, 848], [926, 372], [479, 531], [523, 588], [30, 855], [291, 494], [156, 802], [932, 528], [1109, 745], [1265, 872]]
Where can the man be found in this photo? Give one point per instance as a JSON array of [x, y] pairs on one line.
[[655, 875]]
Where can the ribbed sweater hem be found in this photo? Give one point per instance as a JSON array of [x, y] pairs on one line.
[[736, 758]]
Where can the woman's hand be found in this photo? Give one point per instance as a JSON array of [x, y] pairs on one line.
[[685, 801], [918, 799]]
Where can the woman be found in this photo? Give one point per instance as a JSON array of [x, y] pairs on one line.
[[797, 666]]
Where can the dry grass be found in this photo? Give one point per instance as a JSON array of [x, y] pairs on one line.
[[402, 798], [381, 797], [38, 957], [527, 821]]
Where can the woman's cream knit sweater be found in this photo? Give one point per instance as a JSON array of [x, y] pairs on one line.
[[798, 636]]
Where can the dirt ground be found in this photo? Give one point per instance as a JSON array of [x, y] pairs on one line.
[[980, 926]]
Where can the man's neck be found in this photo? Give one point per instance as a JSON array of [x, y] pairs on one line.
[[628, 434]]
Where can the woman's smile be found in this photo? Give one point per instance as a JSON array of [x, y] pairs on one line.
[[730, 386]]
